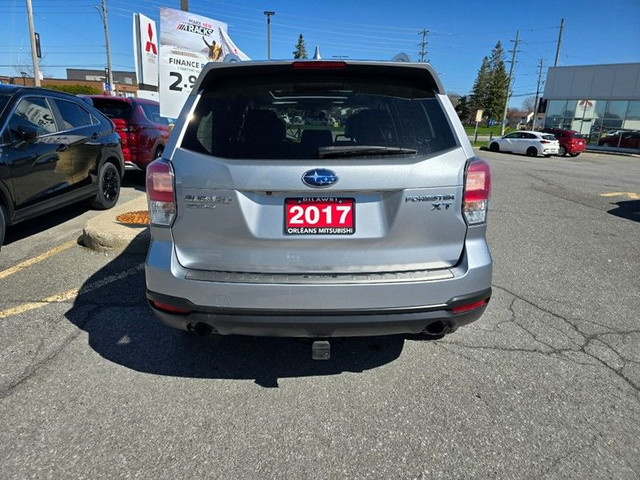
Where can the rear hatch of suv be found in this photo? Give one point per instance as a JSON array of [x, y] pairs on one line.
[[376, 189], [120, 112]]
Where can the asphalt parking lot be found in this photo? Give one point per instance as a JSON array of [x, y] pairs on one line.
[[545, 385]]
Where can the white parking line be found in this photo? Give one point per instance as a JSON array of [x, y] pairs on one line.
[[69, 294], [39, 258], [629, 195]]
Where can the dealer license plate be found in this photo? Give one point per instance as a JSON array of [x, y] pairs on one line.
[[319, 216]]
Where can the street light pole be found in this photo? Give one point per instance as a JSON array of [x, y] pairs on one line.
[[34, 55], [269, 14], [103, 15]]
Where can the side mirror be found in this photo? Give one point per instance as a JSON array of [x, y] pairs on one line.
[[28, 135]]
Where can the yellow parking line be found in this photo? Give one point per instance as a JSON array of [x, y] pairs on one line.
[[629, 195], [39, 258], [69, 294]]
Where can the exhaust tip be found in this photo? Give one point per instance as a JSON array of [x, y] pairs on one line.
[[201, 329], [437, 328]]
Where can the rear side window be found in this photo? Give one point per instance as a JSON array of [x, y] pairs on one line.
[[113, 108], [302, 114], [73, 115], [152, 112], [32, 113]]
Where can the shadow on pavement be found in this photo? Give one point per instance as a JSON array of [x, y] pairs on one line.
[[629, 209], [42, 223], [57, 217], [122, 329]]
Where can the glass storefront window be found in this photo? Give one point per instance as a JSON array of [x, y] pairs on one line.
[[633, 113], [555, 110], [632, 120], [616, 109], [606, 123], [570, 109]]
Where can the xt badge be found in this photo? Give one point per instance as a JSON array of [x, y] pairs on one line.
[[440, 205]]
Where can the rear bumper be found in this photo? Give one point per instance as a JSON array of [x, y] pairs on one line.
[[575, 148], [321, 323], [323, 308]]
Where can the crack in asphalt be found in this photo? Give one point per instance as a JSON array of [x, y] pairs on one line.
[[571, 453], [33, 368], [560, 353]]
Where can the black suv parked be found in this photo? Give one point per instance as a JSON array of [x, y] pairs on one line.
[[55, 149]]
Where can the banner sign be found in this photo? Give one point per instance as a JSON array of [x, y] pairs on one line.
[[187, 43], [145, 48]]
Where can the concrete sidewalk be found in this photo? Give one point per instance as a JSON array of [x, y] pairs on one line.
[[105, 233]]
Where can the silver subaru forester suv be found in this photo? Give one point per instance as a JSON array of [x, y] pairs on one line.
[[318, 199]]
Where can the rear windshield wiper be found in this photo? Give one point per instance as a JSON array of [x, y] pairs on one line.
[[362, 151]]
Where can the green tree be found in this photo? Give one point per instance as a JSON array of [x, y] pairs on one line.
[[75, 89], [463, 110], [301, 48], [479, 98], [498, 85]]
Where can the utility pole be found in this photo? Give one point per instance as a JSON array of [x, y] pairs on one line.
[[184, 5], [423, 45], [510, 79], [269, 14], [559, 41], [535, 103], [32, 37], [103, 15]]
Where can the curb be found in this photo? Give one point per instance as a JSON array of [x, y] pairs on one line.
[[104, 233]]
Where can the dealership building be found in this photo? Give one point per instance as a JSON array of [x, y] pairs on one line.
[[601, 102]]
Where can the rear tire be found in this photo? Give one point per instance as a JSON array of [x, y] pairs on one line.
[[532, 152], [494, 147], [109, 182], [562, 151], [3, 224], [158, 153]]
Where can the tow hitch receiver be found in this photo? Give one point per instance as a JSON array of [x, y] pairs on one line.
[[321, 350]]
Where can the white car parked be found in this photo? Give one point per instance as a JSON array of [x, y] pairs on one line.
[[528, 142]]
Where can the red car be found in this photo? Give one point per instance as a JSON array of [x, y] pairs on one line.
[[571, 142], [144, 133]]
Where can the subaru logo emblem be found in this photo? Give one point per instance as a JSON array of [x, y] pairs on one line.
[[319, 178]]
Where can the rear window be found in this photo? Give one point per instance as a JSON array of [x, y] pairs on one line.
[[113, 108], [152, 112], [307, 114], [549, 137]]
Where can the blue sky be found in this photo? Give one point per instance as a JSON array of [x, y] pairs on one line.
[[460, 32]]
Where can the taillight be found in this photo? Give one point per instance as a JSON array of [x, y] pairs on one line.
[[545, 141], [477, 188], [160, 195]]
